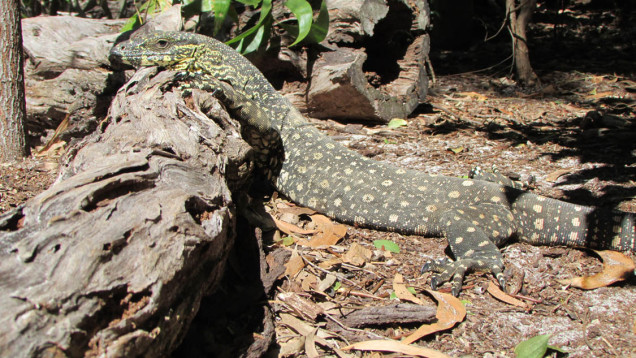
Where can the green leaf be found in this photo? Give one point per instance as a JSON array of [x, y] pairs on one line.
[[253, 3], [396, 123], [288, 241], [320, 27], [411, 290], [146, 9], [457, 150], [207, 5], [337, 285], [221, 8], [260, 37], [387, 245], [304, 14], [265, 11], [534, 347], [393, 296], [132, 23], [558, 349], [152, 5]]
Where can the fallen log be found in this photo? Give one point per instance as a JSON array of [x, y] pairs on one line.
[[67, 73], [114, 258]]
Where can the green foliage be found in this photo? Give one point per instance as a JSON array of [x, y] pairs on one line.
[[388, 245], [304, 14], [147, 8], [251, 39], [288, 240], [397, 123], [535, 347], [303, 26]]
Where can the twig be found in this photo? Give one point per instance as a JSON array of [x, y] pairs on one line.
[[346, 328], [459, 118], [482, 69], [503, 24], [429, 64], [339, 276]]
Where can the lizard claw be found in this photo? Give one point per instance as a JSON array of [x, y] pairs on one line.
[[456, 270]]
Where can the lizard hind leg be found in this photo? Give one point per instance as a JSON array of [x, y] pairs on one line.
[[493, 175], [473, 235]]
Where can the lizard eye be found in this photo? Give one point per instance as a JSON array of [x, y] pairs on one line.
[[162, 43]]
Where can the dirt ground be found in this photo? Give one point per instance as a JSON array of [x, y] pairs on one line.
[[572, 138]]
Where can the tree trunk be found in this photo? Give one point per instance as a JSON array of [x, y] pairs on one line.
[[114, 259], [12, 110], [519, 17]]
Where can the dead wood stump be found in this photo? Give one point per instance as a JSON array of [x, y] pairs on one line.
[[376, 70], [114, 258]]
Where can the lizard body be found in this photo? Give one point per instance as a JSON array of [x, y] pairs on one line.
[[475, 216]]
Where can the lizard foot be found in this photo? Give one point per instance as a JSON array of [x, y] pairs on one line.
[[456, 270], [493, 175], [188, 80]]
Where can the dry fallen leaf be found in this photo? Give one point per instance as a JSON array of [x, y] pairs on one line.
[[552, 177], [301, 327], [497, 293], [595, 78], [294, 265], [616, 267], [397, 347], [328, 232], [402, 292], [357, 255], [599, 95], [505, 111], [291, 229], [329, 263], [297, 210], [308, 281], [326, 283], [450, 311], [474, 95], [302, 306], [291, 347], [310, 344]]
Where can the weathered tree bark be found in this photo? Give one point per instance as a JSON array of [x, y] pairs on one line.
[[518, 19], [114, 258], [67, 73], [12, 110]]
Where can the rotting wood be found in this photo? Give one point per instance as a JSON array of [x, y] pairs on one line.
[[340, 88], [401, 313], [382, 75], [114, 258]]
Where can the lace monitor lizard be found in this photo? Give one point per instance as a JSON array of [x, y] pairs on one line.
[[476, 216]]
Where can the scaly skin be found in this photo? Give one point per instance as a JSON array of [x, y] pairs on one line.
[[475, 216]]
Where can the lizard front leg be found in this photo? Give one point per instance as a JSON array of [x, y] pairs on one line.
[[473, 234]]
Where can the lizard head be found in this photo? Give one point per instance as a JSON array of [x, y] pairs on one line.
[[169, 49]]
